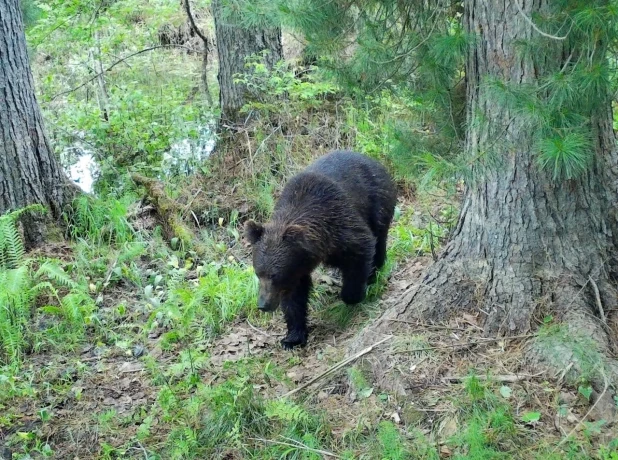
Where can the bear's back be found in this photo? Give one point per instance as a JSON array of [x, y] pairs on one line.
[[366, 182], [342, 179]]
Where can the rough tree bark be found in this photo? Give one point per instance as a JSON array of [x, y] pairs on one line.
[[29, 171], [234, 44], [524, 245]]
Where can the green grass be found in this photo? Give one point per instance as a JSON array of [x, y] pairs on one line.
[[100, 220], [52, 307]]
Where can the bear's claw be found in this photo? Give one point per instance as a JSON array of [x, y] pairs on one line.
[[294, 339]]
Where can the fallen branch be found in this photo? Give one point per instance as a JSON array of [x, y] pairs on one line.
[[337, 367], [369, 349]]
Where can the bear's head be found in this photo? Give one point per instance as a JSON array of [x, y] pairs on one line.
[[282, 256]]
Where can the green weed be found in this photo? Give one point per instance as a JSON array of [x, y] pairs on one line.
[[390, 442], [198, 310], [100, 221]]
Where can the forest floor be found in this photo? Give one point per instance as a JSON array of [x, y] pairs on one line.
[[151, 382]]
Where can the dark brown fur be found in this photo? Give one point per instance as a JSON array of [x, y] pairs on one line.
[[337, 212]]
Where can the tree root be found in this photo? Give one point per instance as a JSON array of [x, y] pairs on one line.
[[169, 213]]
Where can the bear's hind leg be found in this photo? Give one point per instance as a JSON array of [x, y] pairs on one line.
[[380, 256], [294, 306], [355, 275]]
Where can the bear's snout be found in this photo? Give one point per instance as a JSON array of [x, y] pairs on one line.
[[265, 304], [268, 298]]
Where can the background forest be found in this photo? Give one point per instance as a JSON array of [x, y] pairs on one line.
[[132, 331]]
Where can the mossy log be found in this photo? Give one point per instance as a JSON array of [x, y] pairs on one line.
[[169, 212]]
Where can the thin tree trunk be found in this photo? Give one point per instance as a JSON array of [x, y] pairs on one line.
[[234, 44], [205, 87], [29, 170], [102, 96], [205, 51], [524, 246]]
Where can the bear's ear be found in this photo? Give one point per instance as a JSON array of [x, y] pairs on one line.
[[253, 231], [295, 233]]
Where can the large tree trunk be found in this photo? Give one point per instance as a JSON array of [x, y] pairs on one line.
[[234, 44], [525, 245], [29, 171]]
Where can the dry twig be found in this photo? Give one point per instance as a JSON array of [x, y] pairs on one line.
[[258, 330], [597, 296], [298, 445], [336, 367], [507, 378], [606, 386]]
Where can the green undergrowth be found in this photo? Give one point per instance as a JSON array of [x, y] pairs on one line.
[[26, 284], [234, 419], [117, 293], [113, 286], [72, 315], [118, 286]]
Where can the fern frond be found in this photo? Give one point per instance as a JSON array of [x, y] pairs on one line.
[[14, 281], [12, 250], [15, 301], [41, 287], [286, 411], [55, 272], [75, 308]]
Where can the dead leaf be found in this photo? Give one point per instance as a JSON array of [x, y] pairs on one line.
[[448, 428], [131, 366]]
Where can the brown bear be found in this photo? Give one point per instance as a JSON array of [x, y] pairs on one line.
[[337, 212]]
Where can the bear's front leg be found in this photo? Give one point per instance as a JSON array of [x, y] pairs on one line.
[[294, 306]]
